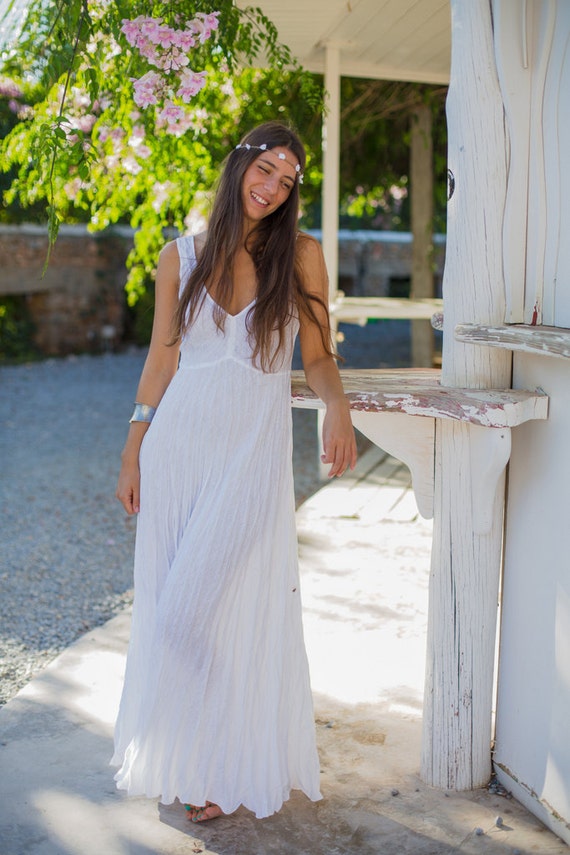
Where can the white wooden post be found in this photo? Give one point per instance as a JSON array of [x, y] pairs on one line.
[[456, 750]]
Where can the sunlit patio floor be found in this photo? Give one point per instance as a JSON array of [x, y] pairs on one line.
[[365, 565]]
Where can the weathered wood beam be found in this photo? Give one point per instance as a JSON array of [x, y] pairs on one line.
[[418, 392], [547, 341]]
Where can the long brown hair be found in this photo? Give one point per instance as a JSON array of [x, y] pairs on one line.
[[272, 246]]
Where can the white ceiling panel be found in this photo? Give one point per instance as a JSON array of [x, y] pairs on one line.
[[385, 39]]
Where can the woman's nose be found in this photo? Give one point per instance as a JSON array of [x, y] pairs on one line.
[[271, 183]]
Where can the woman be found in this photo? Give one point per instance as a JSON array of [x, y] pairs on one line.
[[216, 708]]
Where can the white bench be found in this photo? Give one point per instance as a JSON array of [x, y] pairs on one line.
[[397, 409]]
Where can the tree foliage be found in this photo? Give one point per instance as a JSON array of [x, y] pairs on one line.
[[375, 150], [78, 145], [81, 141]]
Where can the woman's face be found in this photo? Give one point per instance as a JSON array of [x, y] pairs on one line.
[[267, 182]]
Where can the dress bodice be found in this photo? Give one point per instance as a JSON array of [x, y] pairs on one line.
[[204, 343]]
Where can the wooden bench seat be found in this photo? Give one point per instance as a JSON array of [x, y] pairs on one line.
[[384, 406], [418, 392]]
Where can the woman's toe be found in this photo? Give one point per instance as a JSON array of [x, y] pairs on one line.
[[209, 811]]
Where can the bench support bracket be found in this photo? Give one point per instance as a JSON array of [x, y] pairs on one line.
[[409, 439]]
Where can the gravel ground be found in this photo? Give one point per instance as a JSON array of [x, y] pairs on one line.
[[66, 545]]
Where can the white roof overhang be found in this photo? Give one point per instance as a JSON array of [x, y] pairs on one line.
[[383, 39]]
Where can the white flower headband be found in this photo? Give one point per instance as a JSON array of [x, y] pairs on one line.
[[280, 155]]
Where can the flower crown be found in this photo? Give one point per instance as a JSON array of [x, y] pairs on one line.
[[280, 155]]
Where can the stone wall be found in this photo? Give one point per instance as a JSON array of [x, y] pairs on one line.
[[79, 304], [371, 264]]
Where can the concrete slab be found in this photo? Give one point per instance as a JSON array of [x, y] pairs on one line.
[[365, 566]]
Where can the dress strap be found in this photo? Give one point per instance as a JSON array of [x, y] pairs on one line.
[[187, 254], [186, 247]]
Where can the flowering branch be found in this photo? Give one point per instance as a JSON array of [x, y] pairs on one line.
[[53, 220], [111, 116], [167, 49]]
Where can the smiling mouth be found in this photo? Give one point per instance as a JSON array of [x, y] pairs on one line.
[[259, 199]]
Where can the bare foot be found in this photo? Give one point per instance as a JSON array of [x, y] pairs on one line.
[[201, 814]]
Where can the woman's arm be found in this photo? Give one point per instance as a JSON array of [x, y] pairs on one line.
[[339, 443], [159, 368]]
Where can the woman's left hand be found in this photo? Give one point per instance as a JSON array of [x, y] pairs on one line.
[[339, 442]]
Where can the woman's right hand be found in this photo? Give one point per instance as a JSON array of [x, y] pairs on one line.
[[128, 487]]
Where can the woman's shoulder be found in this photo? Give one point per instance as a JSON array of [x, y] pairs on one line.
[[169, 256], [168, 269], [170, 250], [308, 249], [305, 242]]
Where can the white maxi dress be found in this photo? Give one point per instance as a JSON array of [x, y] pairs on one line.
[[217, 703]]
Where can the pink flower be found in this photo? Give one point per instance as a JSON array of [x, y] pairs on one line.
[[204, 25], [177, 129], [131, 29], [173, 119], [85, 123], [166, 36], [137, 136], [171, 112], [150, 53], [150, 29], [161, 194], [130, 164], [147, 88], [9, 89], [26, 112], [72, 188], [167, 49], [174, 60], [190, 84], [143, 151], [111, 161], [80, 99], [184, 40], [144, 97]]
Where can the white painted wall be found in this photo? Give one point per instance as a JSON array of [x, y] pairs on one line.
[[532, 48], [533, 709], [532, 755]]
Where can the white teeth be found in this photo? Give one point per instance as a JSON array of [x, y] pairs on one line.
[[259, 199]]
